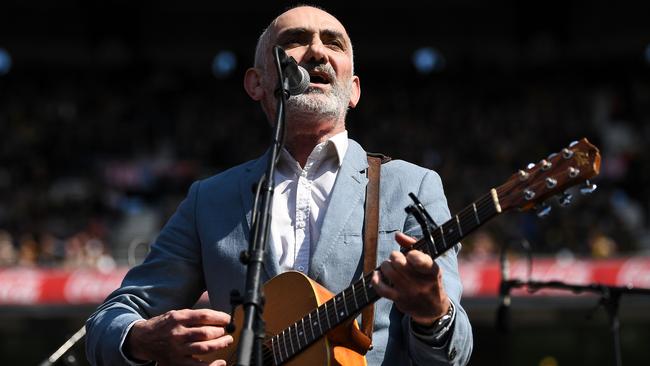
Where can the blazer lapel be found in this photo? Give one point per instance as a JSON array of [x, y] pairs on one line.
[[247, 185], [348, 191]]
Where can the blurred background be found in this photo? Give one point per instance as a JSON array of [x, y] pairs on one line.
[[110, 109]]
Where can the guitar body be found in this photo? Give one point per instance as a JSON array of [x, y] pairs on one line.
[[289, 296]]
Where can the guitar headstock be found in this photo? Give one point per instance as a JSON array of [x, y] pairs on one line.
[[528, 187]]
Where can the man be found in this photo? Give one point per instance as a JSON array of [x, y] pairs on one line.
[[316, 229]]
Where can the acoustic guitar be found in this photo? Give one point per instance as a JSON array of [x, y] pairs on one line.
[[308, 325]]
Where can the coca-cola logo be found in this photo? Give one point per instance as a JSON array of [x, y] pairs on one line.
[[85, 286], [634, 272], [20, 286], [569, 271]]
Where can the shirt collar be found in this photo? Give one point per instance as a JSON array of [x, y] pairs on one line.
[[340, 142], [336, 145]]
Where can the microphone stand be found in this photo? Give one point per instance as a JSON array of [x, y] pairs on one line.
[[503, 311], [503, 316], [71, 342], [609, 298], [252, 334]]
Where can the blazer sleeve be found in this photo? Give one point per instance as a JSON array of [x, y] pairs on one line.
[[170, 278], [459, 346]]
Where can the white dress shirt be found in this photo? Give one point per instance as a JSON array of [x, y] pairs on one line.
[[300, 201]]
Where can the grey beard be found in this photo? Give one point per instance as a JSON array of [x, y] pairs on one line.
[[309, 104]]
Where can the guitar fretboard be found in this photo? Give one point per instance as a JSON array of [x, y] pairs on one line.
[[467, 220], [349, 302]]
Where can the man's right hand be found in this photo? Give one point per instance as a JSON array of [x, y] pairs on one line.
[[174, 337]]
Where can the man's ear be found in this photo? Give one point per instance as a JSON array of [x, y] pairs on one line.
[[355, 94], [253, 84]]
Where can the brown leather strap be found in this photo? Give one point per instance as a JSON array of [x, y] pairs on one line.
[[371, 231]]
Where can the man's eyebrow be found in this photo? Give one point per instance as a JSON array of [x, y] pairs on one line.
[[292, 32], [333, 34], [301, 31]]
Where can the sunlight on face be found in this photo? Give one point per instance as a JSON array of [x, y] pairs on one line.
[[320, 44], [329, 103]]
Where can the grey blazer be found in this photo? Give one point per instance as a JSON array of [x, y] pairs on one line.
[[198, 250]]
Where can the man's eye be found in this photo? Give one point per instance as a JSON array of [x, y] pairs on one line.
[[290, 43], [336, 44]]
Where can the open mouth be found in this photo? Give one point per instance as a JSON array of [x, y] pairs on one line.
[[318, 79]]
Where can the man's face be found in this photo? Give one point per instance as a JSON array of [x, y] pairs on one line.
[[320, 44]]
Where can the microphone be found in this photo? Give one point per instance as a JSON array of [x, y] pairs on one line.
[[296, 76], [503, 312]]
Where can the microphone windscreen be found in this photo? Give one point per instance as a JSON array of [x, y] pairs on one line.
[[301, 86]]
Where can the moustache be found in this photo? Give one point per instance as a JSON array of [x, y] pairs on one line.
[[326, 69]]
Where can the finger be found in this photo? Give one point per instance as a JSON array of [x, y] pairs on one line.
[[197, 317], [402, 274], [219, 363], [185, 361], [401, 264], [201, 348], [421, 263], [202, 333], [397, 271], [404, 240], [388, 274], [191, 361], [383, 289], [397, 261]]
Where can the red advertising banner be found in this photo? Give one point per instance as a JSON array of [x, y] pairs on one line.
[[56, 286], [34, 286], [482, 278]]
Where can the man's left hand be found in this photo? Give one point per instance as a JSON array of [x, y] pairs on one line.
[[414, 282]]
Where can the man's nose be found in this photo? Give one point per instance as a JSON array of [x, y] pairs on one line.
[[316, 53]]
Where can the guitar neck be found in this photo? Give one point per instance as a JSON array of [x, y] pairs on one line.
[[353, 299], [445, 236]]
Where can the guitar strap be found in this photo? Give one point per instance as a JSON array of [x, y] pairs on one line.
[[371, 232]]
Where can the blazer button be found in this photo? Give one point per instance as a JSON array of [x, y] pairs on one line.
[[452, 354]]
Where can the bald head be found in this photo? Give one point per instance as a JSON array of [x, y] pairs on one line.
[[310, 15], [319, 43]]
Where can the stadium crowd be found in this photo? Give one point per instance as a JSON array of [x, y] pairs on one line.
[[92, 164]]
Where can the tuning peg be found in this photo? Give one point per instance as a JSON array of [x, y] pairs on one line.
[[588, 188], [565, 199], [530, 166], [550, 182], [573, 143], [529, 194], [566, 153], [544, 210], [551, 156], [523, 175]]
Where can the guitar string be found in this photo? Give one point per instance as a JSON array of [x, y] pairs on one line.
[[294, 335], [348, 295], [482, 208]]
